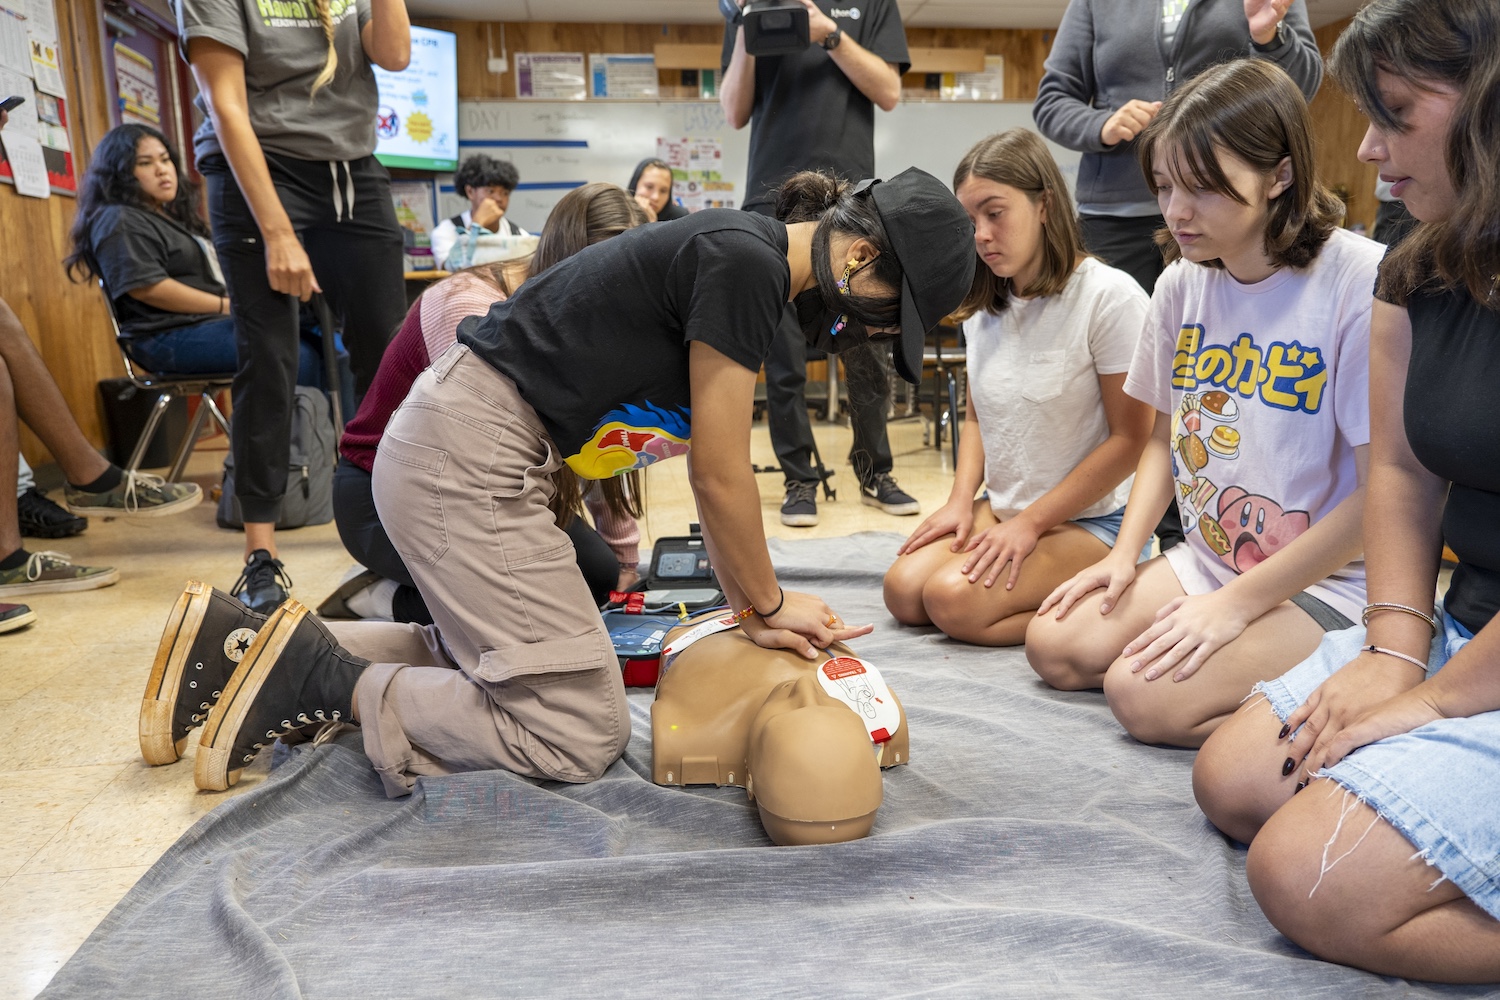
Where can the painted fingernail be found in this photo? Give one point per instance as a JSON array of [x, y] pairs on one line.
[[1284, 730], [1300, 785], [1288, 767]]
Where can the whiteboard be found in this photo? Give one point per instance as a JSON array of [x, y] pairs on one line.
[[557, 146]]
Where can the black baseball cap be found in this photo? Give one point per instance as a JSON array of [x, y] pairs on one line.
[[934, 241]]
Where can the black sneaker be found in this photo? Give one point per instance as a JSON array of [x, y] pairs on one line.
[[264, 583], [800, 508], [41, 518], [207, 635], [882, 492], [295, 674]]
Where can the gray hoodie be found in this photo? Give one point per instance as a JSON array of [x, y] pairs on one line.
[[1108, 52]]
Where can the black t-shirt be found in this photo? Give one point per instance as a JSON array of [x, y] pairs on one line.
[[134, 248], [1454, 432], [807, 114], [598, 344]]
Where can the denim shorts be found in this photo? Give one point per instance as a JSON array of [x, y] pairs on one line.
[[1438, 785], [1106, 528]]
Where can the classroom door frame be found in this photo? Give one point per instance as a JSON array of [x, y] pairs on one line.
[[150, 24]]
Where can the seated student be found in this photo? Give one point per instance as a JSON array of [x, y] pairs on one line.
[[95, 486], [1388, 862], [1049, 431], [1256, 360], [651, 186], [139, 230], [582, 217], [487, 183]]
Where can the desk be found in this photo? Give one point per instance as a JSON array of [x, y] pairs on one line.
[[417, 282]]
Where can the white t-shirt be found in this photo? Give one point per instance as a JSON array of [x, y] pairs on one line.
[[445, 234], [1268, 388], [1034, 379]]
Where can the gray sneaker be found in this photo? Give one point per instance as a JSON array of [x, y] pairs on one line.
[[881, 491], [139, 495], [800, 508], [52, 573]]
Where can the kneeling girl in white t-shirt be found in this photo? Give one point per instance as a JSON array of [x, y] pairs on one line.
[[1256, 359], [1049, 431]]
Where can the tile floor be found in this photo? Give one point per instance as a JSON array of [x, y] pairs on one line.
[[84, 818]]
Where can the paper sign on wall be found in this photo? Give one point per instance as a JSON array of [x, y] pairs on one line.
[[550, 76]]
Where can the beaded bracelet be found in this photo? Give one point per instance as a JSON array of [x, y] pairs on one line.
[[747, 612], [1397, 654], [1370, 609]]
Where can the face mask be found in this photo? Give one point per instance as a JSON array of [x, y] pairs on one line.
[[817, 320]]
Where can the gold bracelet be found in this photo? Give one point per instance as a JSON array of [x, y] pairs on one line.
[[1370, 609]]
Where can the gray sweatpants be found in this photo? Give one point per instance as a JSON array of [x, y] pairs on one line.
[[517, 672]]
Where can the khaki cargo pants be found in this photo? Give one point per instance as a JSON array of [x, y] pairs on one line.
[[518, 671]]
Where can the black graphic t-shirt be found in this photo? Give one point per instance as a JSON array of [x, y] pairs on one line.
[[134, 248], [598, 344], [807, 114], [1450, 423]]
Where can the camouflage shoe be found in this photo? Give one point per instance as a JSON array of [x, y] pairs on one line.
[[139, 495], [53, 573]]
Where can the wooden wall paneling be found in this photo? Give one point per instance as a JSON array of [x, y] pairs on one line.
[[1024, 49], [67, 322], [1338, 128]]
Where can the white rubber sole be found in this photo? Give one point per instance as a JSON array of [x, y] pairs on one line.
[[18, 622], [61, 586], [898, 509], [160, 699], [212, 769], [140, 513], [799, 520]]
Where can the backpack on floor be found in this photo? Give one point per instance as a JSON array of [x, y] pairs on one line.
[[309, 481]]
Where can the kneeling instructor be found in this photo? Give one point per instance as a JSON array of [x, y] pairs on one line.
[[610, 361]]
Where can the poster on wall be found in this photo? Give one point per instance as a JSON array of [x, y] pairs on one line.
[[697, 172], [135, 83], [623, 77], [15, 49], [550, 76], [413, 204], [44, 67], [28, 168]]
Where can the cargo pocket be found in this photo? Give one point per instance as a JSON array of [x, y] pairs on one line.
[[588, 651], [421, 533], [1045, 375]]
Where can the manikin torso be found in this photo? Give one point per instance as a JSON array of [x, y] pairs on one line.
[[728, 712]]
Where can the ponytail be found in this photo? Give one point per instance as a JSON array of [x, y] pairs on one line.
[[807, 195], [331, 66]]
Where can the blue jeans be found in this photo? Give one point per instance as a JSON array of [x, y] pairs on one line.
[[208, 348]]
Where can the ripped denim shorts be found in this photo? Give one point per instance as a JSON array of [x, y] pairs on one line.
[[1438, 785]]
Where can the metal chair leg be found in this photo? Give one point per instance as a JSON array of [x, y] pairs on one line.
[[953, 416], [215, 412], [148, 432], [189, 442]]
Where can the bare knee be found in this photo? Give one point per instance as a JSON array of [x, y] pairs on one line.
[[903, 592], [1236, 800], [957, 606], [1054, 652], [1145, 708], [1283, 867]]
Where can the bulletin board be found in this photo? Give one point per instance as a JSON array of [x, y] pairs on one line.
[[30, 67]]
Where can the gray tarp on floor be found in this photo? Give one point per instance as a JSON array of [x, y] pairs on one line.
[[1031, 849]]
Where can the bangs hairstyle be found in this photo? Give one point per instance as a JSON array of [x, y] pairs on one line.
[[1252, 110], [1020, 159], [1456, 43]]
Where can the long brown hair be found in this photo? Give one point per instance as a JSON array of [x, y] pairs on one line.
[[1019, 158], [1251, 109], [582, 217], [1457, 43]]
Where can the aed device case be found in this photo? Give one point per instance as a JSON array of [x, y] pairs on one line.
[[680, 573], [638, 640]]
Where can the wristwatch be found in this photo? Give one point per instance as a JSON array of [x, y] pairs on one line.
[[832, 39], [1277, 40]]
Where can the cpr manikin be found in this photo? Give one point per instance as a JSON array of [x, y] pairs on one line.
[[728, 712]]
